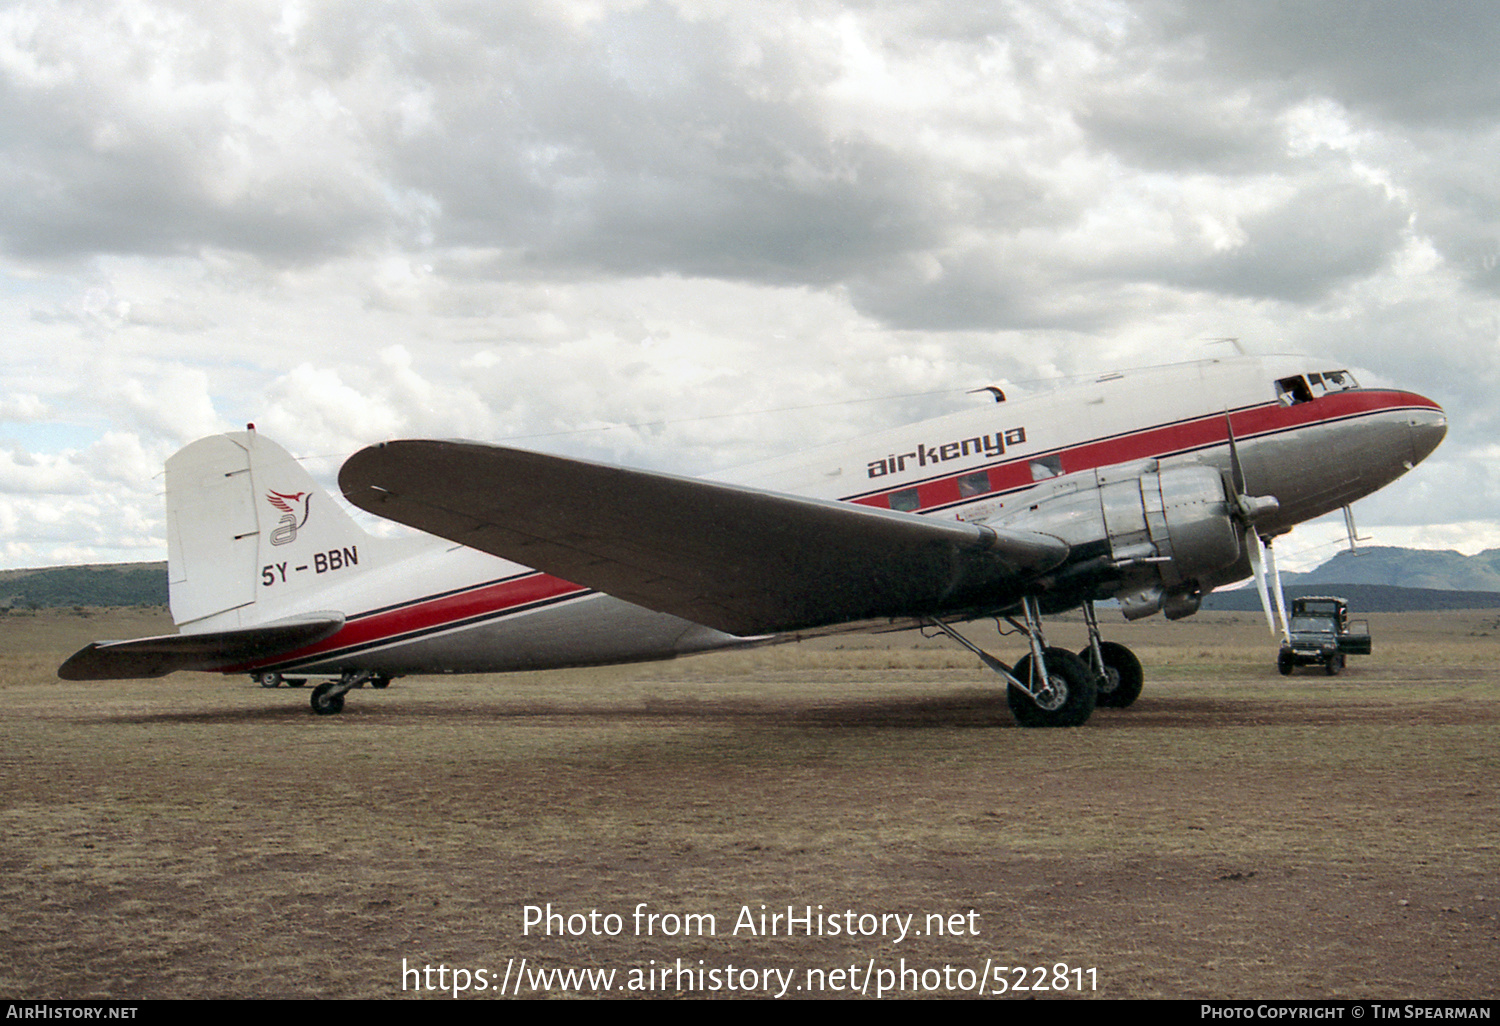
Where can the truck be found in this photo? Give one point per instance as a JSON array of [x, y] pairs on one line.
[[1320, 633]]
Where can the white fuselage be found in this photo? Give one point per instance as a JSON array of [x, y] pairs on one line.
[[430, 606]]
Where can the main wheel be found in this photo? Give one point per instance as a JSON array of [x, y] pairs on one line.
[[1123, 677], [325, 704], [1066, 701]]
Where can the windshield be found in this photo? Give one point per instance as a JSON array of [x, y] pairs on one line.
[[1305, 388], [1332, 381]]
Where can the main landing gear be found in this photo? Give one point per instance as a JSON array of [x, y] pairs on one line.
[[1052, 687], [328, 697], [1114, 666]]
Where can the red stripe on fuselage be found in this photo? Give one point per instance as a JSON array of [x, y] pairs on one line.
[[1160, 441], [429, 614]]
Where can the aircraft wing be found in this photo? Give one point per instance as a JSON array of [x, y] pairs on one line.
[[739, 559], [211, 650]]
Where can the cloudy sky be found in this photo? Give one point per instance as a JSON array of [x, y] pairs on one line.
[[686, 235]]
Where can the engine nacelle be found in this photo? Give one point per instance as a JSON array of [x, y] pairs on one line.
[[1154, 539]]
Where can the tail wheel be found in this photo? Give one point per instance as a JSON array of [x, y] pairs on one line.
[[325, 704], [268, 680], [1123, 677], [1067, 698]]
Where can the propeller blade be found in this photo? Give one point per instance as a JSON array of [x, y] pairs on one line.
[[1249, 509], [1258, 564], [1280, 595], [1236, 469]]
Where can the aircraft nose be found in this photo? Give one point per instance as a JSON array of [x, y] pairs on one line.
[[1426, 428]]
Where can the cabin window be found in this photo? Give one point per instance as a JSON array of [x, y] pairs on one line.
[[977, 483], [1291, 391], [906, 500], [1045, 467]]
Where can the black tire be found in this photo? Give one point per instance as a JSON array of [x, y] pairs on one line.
[[1286, 663], [380, 682], [1123, 676], [297, 683], [268, 680], [1334, 664], [325, 704], [1071, 702]]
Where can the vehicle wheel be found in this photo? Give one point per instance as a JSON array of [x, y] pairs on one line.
[[1286, 663], [1334, 665], [297, 683], [268, 680], [1123, 676], [1067, 702], [380, 682], [325, 704]]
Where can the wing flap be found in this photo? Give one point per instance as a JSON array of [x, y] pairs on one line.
[[210, 650], [739, 559]]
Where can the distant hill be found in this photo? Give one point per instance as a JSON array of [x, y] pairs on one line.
[[1363, 598], [1385, 579], [1408, 568], [111, 584]]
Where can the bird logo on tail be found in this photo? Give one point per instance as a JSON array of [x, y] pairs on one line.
[[290, 505]]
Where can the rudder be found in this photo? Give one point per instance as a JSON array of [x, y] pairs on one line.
[[247, 530]]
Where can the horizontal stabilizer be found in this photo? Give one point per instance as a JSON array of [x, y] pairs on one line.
[[739, 559], [211, 650]]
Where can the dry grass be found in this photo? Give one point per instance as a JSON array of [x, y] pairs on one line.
[[1236, 834]]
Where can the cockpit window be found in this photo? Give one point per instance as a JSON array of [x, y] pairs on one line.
[[1291, 391], [1331, 381], [1300, 389]]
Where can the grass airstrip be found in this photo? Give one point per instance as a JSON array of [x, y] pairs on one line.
[[1236, 834]]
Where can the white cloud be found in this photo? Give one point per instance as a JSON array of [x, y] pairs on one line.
[[24, 472], [175, 404], [315, 407], [604, 227], [23, 408]]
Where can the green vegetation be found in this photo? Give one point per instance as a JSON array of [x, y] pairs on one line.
[[118, 584]]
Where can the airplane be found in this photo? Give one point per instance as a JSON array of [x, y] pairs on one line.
[[1150, 488]]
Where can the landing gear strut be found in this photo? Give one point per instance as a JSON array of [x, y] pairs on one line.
[[1060, 692], [1115, 668], [1049, 687]]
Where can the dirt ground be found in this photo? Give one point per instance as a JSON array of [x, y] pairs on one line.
[[1236, 834]]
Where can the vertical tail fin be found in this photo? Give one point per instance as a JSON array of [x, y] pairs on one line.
[[248, 532]]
